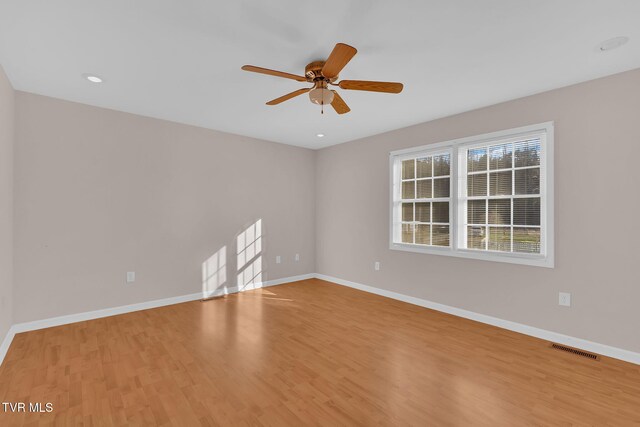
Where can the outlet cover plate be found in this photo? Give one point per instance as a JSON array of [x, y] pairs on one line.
[[564, 299]]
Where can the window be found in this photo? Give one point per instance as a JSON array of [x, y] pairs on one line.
[[486, 197], [425, 199]]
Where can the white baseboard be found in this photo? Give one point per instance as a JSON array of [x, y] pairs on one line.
[[97, 314], [603, 349], [6, 342]]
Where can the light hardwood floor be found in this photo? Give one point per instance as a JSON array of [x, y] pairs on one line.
[[307, 353]]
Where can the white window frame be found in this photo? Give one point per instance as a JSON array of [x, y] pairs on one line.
[[457, 148]]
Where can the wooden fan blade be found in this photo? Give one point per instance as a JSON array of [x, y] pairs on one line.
[[388, 87], [338, 104], [273, 73], [339, 57], [288, 96]]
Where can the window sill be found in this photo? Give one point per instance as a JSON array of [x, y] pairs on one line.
[[531, 260]]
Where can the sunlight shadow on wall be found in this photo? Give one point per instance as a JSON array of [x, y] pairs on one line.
[[249, 257], [251, 276], [249, 243], [214, 274]]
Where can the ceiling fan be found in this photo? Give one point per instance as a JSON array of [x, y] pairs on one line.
[[325, 73]]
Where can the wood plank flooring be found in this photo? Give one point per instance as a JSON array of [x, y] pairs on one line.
[[307, 353]]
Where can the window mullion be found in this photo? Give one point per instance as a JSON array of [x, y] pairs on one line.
[[453, 199], [486, 201], [513, 192], [433, 188]]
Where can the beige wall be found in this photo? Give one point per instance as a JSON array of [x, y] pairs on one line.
[[6, 202], [597, 202], [100, 193]]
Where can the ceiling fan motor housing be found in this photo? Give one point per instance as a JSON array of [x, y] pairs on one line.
[[313, 72]]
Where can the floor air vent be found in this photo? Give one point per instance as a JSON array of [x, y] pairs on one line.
[[575, 351]]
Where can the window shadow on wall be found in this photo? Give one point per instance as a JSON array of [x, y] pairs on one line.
[[214, 274], [249, 257]]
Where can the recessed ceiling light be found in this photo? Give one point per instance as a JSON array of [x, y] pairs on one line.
[[613, 43], [93, 78], [320, 135]]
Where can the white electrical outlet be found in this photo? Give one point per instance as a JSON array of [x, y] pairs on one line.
[[297, 257], [376, 265], [278, 259], [131, 276], [564, 299]]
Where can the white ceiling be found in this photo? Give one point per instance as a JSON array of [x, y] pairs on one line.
[[180, 60]]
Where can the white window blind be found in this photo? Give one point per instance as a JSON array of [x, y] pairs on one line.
[[487, 197]]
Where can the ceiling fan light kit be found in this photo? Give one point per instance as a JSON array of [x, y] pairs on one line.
[[325, 73], [321, 96]]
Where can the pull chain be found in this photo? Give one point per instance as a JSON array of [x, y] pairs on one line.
[[322, 102]]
